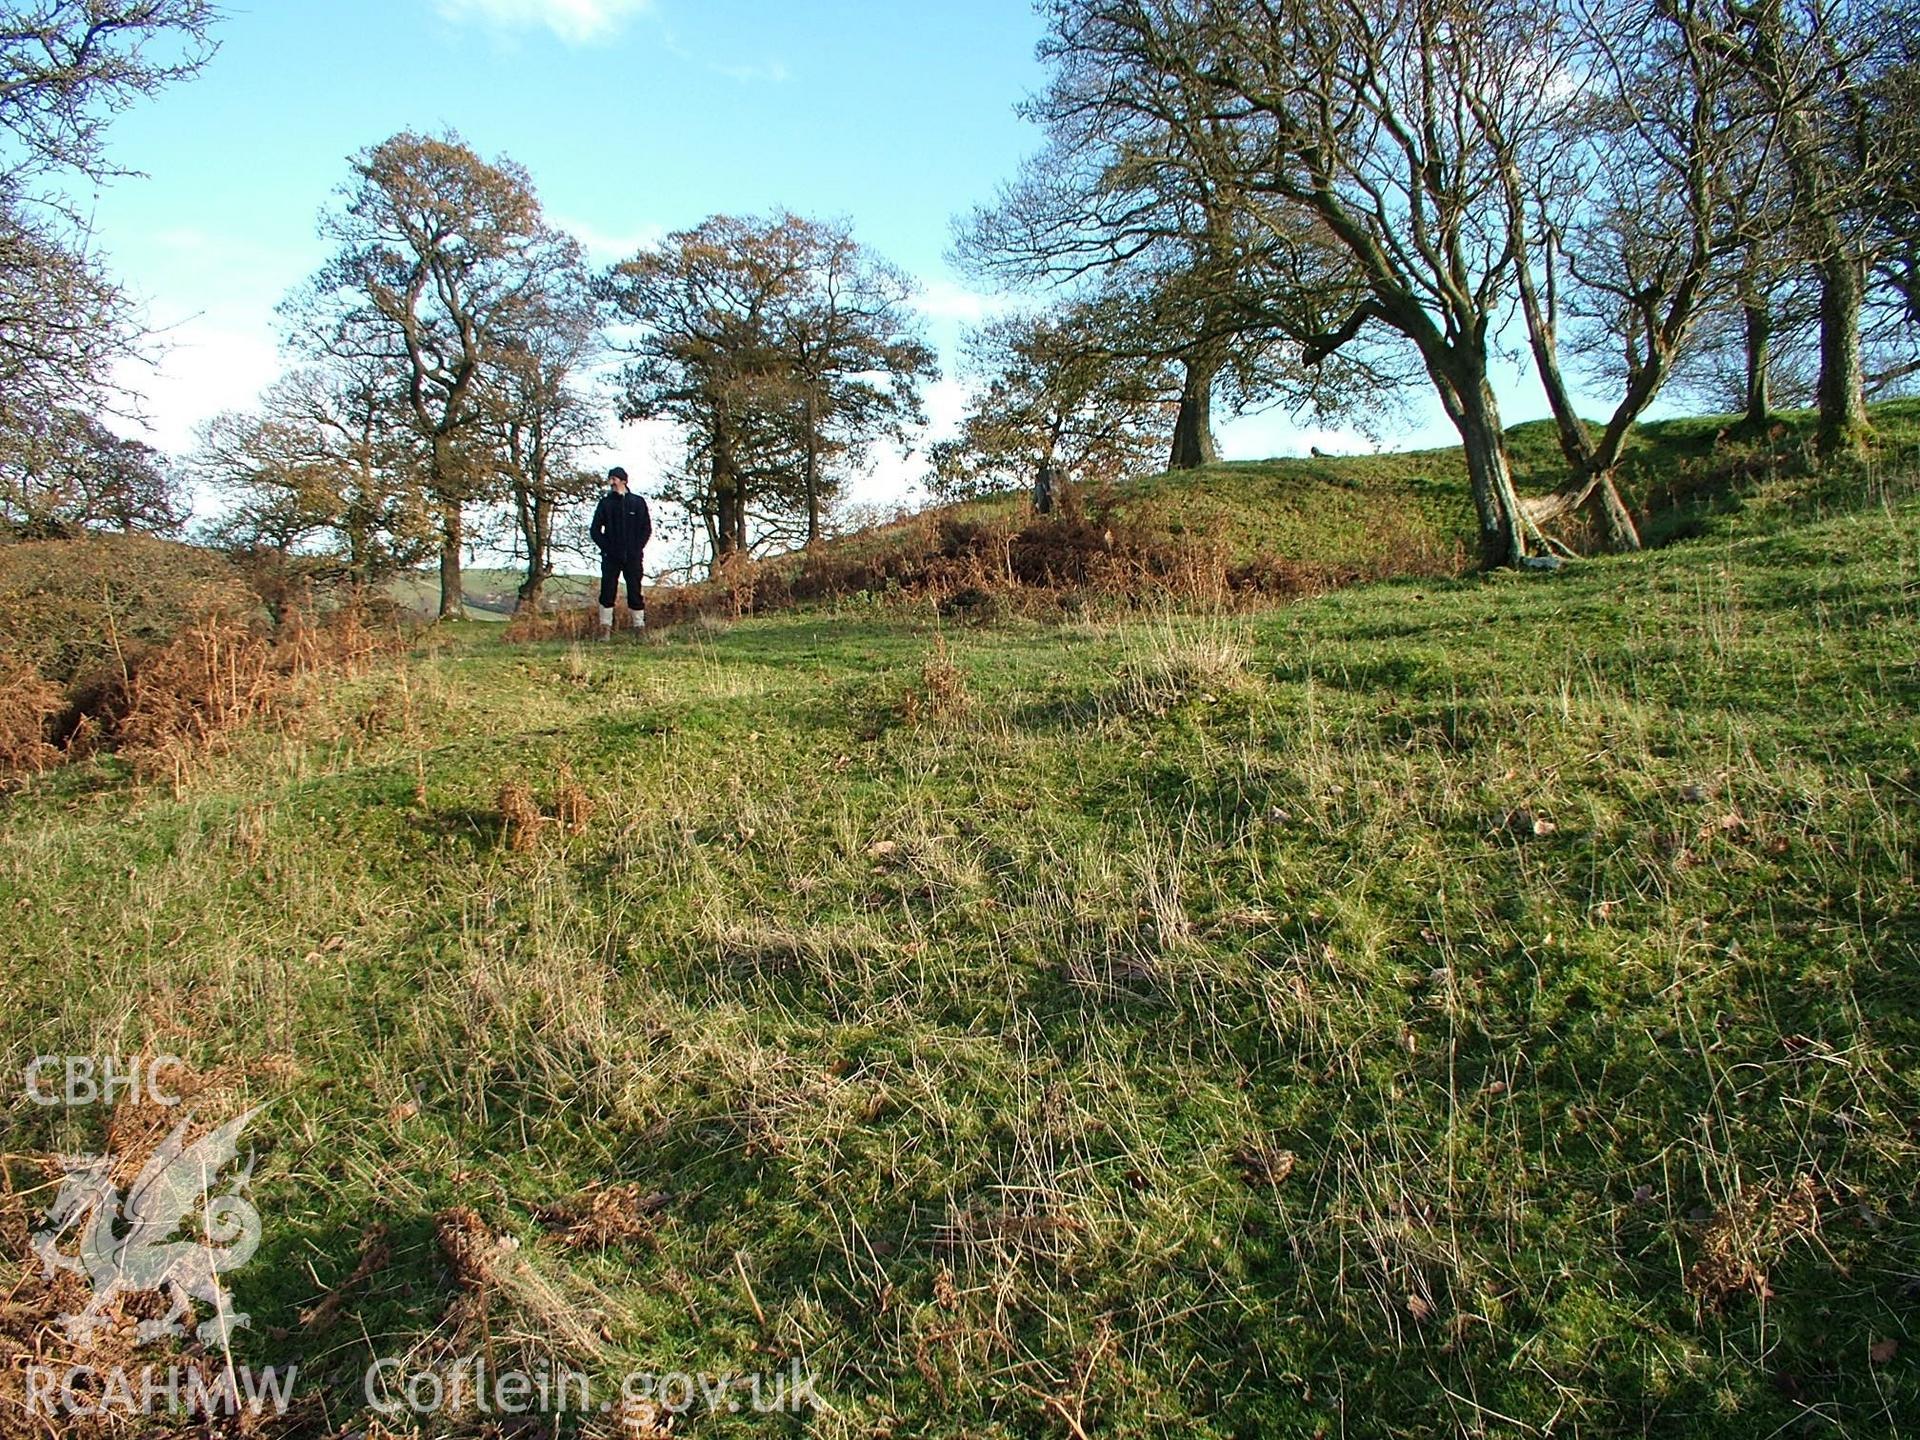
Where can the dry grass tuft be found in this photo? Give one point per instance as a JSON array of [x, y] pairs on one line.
[[520, 817], [942, 695], [1747, 1235], [28, 704], [600, 1216], [573, 806], [185, 698], [1186, 662], [468, 1247], [492, 1275], [214, 677]]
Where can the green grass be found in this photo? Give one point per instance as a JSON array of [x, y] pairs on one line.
[[1540, 919]]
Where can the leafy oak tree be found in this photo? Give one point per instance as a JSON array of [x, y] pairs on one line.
[[781, 349], [440, 257], [1051, 404]]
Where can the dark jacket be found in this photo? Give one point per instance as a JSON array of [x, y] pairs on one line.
[[621, 524]]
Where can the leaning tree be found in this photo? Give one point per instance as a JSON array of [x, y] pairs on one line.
[[1366, 116]]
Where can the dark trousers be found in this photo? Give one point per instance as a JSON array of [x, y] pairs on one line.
[[611, 568]]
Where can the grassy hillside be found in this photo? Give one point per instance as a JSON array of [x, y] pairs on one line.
[[1482, 1005], [1282, 527]]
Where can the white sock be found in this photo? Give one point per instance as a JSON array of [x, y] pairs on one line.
[[639, 619], [606, 617]]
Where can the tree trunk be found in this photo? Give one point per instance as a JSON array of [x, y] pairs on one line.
[[1843, 401], [1475, 414], [812, 478], [1759, 322], [1043, 488], [537, 531], [530, 510], [1193, 443], [1543, 337], [452, 592], [1592, 464], [727, 531], [726, 501]]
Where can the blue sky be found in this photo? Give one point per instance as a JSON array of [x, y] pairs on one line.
[[635, 117]]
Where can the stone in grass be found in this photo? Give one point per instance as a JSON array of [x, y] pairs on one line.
[[1264, 1166], [1528, 825]]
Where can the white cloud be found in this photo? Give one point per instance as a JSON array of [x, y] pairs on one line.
[[606, 246], [944, 300], [201, 369], [946, 402], [574, 21]]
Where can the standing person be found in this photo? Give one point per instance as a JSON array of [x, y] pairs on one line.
[[621, 528]]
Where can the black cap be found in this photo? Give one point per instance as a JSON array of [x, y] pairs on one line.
[[616, 473]]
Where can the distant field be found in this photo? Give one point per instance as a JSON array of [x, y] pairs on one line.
[[490, 594], [1479, 1006]]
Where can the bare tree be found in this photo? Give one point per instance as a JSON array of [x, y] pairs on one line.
[[66, 68], [1623, 213], [540, 417], [1755, 345], [326, 471], [1370, 117], [64, 323], [1893, 213], [1117, 212], [1815, 62], [854, 352]]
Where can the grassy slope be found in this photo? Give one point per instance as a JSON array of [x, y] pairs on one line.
[[959, 1042], [1409, 512]]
